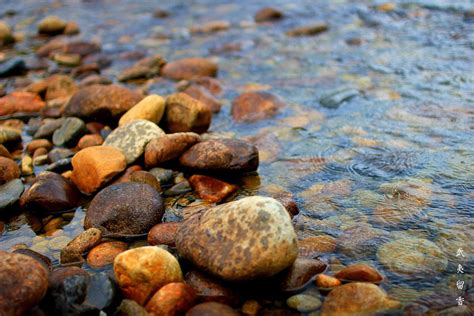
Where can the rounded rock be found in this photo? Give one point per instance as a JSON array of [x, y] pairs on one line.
[[51, 25], [248, 239], [163, 234], [140, 272], [125, 208], [20, 101], [10, 193], [23, 283], [360, 273], [82, 243], [105, 253], [186, 114], [211, 189], [189, 68], [171, 300], [69, 133], [212, 309], [90, 140], [168, 147], [303, 303], [9, 170], [151, 108], [255, 106], [268, 14]]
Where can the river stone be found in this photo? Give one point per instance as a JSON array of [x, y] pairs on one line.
[[69, 133], [168, 147], [203, 95], [303, 302], [212, 309], [255, 106], [105, 253], [10, 193], [125, 208], [188, 68], [145, 68], [174, 298], [132, 138], [6, 35], [20, 101], [209, 289], [357, 299], [308, 30], [412, 256], [84, 242], [59, 86], [23, 283], [50, 192], [101, 102], [48, 127], [51, 25], [163, 234], [140, 272], [211, 189], [9, 170], [94, 166], [8, 134], [333, 99], [150, 108], [221, 155], [12, 67], [186, 114], [361, 273], [268, 14], [248, 239], [131, 308], [300, 273]]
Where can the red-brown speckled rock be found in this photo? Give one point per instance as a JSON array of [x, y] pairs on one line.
[[221, 155], [9, 170], [247, 239], [20, 101], [359, 272], [163, 234], [23, 283], [211, 189], [202, 94], [140, 272], [171, 300], [85, 241], [105, 253], [255, 106], [188, 68]]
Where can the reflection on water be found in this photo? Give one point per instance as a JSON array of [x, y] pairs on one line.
[[389, 173]]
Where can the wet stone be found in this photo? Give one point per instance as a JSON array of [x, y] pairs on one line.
[[105, 253], [151, 108], [8, 170], [38, 143], [309, 30], [165, 176], [89, 141], [178, 189], [163, 234], [189, 68], [9, 135], [140, 272], [185, 114], [132, 138], [172, 299], [255, 106], [101, 291], [6, 35], [168, 147], [4, 152], [333, 99], [10, 193], [101, 102], [23, 281], [82, 243], [203, 95], [125, 208], [326, 281], [268, 14], [212, 309], [227, 155], [211, 189], [359, 273], [303, 302], [131, 308], [143, 69], [50, 192], [20, 101], [146, 177], [300, 273], [69, 133], [227, 228], [316, 245], [51, 25], [12, 67], [47, 129]]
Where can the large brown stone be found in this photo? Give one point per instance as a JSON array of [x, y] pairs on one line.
[[248, 239], [125, 208], [221, 155], [188, 68], [173, 299], [50, 192], [9, 170], [357, 299], [101, 102], [186, 114], [255, 106], [140, 272], [23, 283], [20, 101], [203, 95], [168, 147], [95, 166]]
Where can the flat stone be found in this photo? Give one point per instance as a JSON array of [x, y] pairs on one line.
[[145, 68], [47, 129], [132, 138], [333, 99], [211, 189], [140, 272], [20, 101], [189, 68], [308, 30], [209, 289], [255, 106], [84, 242], [360, 273], [268, 14], [300, 273], [69, 133], [218, 239], [10, 193], [125, 208], [303, 303]]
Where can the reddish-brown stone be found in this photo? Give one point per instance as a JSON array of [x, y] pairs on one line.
[[188, 68], [268, 14], [89, 141], [254, 106], [101, 102], [221, 155], [146, 177], [4, 152], [83, 242], [209, 289], [212, 309], [20, 101], [168, 147], [163, 234], [38, 143], [301, 272], [23, 283], [326, 281], [211, 189], [9, 170], [105, 253], [171, 300], [59, 86], [359, 272]]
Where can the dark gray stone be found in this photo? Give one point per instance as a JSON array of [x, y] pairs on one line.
[[10, 193], [69, 132]]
